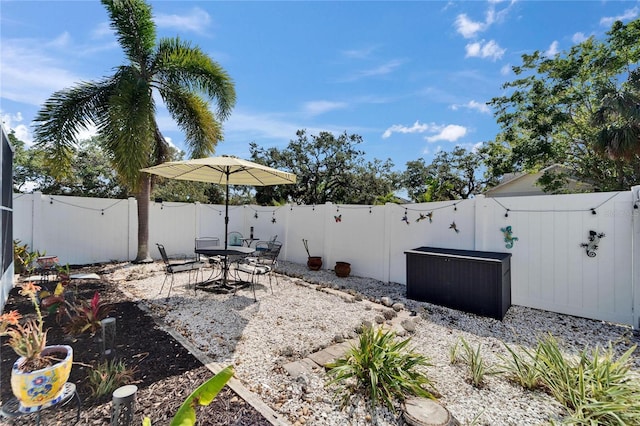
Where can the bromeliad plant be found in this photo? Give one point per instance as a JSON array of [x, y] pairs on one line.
[[87, 317], [27, 339], [381, 367]]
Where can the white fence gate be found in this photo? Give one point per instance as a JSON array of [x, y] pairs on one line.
[[549, 268]]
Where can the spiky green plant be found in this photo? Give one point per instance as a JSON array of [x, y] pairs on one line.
[[108, 376], [380, 367], [472, 358], [595, 387], [522, 367]]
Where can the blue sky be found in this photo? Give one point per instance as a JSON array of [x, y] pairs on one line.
[[411, 78]]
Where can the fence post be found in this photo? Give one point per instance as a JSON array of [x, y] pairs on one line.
[[635, 256]]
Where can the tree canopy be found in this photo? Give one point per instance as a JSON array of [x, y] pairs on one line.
[[328, 168], [578, 108]]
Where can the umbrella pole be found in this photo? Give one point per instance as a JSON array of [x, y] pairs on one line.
[[226, 231]]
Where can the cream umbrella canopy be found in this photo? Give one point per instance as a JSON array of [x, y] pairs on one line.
[[223, 171]]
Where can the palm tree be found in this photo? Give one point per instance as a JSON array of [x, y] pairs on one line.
[[618, 120], [123, 109]]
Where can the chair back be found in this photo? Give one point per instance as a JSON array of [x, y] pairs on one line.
[[207, 242], [234, 238], [163, 253]]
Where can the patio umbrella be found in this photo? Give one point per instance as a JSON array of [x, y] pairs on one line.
[[223, 171]]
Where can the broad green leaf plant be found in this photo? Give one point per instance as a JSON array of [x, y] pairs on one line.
[[204, 395]]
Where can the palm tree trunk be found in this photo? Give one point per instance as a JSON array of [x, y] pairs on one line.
[[142, 198]]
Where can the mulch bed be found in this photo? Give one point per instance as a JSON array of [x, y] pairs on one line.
[[165, 372]]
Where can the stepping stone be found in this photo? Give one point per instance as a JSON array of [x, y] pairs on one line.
[[427, 412], [85, 277], [297, 368]]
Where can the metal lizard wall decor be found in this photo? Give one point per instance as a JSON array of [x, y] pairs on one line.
[[508, 237], [592, 245]]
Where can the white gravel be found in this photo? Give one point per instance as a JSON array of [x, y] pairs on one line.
[[258, 338]]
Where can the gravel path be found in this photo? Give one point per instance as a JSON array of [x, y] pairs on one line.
[[258, 338]]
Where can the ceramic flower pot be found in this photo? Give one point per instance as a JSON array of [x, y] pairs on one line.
[[314, 263], [342, 269], [42, 387]]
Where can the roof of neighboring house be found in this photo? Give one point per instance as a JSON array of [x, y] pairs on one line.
[[523, 183]]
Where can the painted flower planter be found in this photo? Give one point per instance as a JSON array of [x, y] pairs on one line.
[[43, 387]]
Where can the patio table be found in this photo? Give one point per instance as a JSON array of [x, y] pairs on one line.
[[222, 283]]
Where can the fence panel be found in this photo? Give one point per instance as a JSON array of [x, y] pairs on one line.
[[549, 268]]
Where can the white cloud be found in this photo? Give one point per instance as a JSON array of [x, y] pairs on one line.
[[399, 128], [197, 21], [384, 69], [626, 16], [359, 53], [14, 122], [506, 69], [320, 107], [553, 49], [473, 105], [578, 38], [449, 133], [26, 84], [480, 49], [101, 30], [61, 41], [467, 27]]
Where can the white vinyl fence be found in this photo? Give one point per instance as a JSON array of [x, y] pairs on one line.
[[549, 268]]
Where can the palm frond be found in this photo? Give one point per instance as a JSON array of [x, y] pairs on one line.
[[178, 63], [191, 112], [136, 32], [64, 115]]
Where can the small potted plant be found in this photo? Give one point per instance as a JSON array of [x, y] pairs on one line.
[[39, 374], [314, 263]]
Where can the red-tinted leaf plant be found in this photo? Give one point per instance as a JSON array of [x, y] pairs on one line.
[[86, 317]]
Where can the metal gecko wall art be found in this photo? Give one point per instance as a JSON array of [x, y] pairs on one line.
[[592, 245], [509, 239]]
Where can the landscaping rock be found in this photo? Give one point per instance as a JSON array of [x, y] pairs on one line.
[[397, 306]]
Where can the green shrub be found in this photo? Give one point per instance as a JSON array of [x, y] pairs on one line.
[[108, 376], [380, 367], [472, 358], [23, 258], [522, 367], [594, 386]]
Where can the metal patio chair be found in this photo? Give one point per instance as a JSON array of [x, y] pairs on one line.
[[174, 266], [262, 263]]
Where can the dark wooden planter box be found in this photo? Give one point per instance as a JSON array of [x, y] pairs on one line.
[[478, 282]]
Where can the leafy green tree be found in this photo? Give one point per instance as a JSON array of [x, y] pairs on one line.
[[578, 109], [27, 165], [450, 176], [414, 179], [123, 108], [328, 169]]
